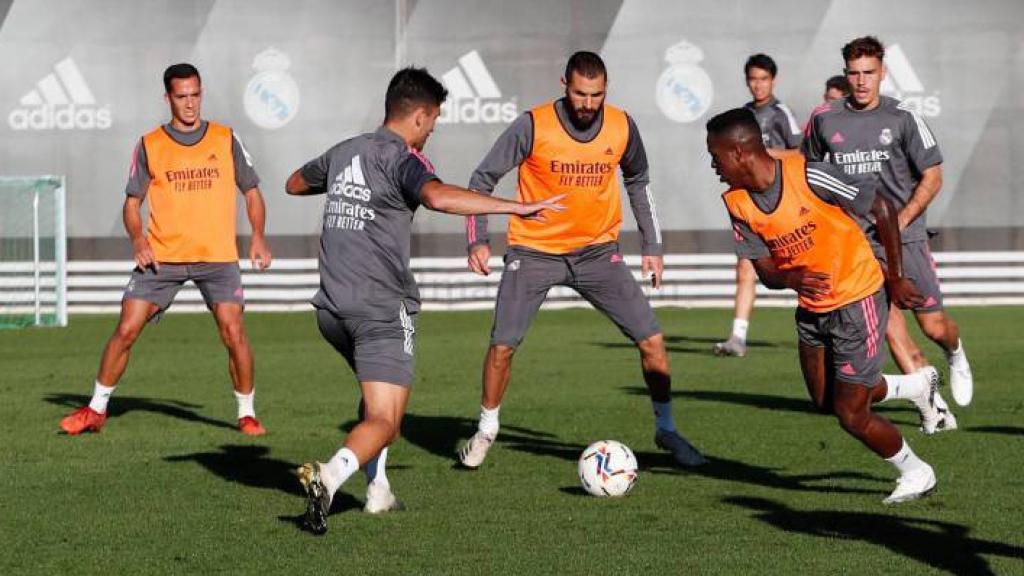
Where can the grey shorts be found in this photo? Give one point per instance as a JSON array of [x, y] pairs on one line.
[[218, 282], [376, 350], [854, 335], [597, 273], [919, 267]]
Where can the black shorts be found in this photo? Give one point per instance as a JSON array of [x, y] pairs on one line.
[[855, 335], [597, 273], [376, 350]]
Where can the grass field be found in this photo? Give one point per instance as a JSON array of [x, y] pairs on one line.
[[170, 487]]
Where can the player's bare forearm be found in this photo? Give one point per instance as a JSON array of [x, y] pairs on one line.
[[451, 199], [132, 215], [769, 273], [257, 211], [297, 186], [888, 229], [806, 283], [927, 189]]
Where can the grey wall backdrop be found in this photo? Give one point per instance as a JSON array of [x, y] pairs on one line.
[[81, 83]]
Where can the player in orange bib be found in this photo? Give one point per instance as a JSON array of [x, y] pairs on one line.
[[575, 147], [804, 228], [191, 171]]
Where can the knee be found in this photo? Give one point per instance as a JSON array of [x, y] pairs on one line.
[[500, 356], [937, 329], [232, 334], [853, 420], [653, 347], [126, 334]]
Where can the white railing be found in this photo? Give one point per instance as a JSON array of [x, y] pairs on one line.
[[690, 280]]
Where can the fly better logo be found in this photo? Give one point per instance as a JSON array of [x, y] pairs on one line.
[[349, 211], [63, 101], [474, 98], [901, 82]]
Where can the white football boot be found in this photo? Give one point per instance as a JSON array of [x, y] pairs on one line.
[[475, 450], [913, 485]]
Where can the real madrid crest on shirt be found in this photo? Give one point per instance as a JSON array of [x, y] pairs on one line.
[[271, 96], [684, 91], [885, 138]]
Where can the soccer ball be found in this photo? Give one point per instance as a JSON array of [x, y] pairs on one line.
[[607, 468]]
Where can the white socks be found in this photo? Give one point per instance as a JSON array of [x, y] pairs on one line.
[[905, 387], [338, 469], [957, 358], [245, 404], [375, 473], [739, 328], [100, 397], [663, 416], [489, 421], [905, 460]]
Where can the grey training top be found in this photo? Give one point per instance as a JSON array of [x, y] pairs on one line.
[[828, 183], [516, 143], [890, 142], [138, 180], [779, 128], [373, 184]]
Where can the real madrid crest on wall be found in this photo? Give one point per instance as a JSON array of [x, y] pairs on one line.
[[684, 91], [271, 97]]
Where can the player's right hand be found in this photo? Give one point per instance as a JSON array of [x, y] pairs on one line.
[[904, 293], [478, 257], [534, 211], [812, 285], [144, 257]]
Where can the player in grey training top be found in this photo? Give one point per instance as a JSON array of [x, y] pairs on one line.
[[368, 299], [871, 134], [781, 136]]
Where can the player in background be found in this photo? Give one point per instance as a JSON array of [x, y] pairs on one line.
[[802, 226], [836, 88], [190, 170], [573, 146], [782, 137], [368, 300], [871, 134]]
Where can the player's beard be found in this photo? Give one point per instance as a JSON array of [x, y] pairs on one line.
[[583, 123]]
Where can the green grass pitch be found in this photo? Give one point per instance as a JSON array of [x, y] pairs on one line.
[[169, 487]]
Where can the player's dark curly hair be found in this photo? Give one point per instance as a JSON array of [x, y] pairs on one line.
[[411, 88], [586, 64], [762, 61], [180, 72], [865, 46], [738, 124]]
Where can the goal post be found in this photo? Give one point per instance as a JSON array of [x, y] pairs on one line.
[[33, 251]]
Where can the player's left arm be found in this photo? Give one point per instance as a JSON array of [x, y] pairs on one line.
[[636, 175], [901, 290], [247, 180], [925, 158]]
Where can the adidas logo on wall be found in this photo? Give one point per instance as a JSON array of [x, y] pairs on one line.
[[473, 97], [901, 82], [61, 100]]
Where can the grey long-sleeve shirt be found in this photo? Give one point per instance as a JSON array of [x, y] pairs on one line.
[[514, 146]]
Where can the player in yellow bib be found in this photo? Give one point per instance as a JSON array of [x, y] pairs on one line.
[[190, 170], [803, 228]]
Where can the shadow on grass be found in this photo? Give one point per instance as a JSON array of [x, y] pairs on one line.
[[942, 545], [441, 435], [689, 345], [124, 404], [247, 465], [1010, 430], [774, 402]]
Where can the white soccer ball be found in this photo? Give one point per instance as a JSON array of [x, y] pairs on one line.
[[607, 468]]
